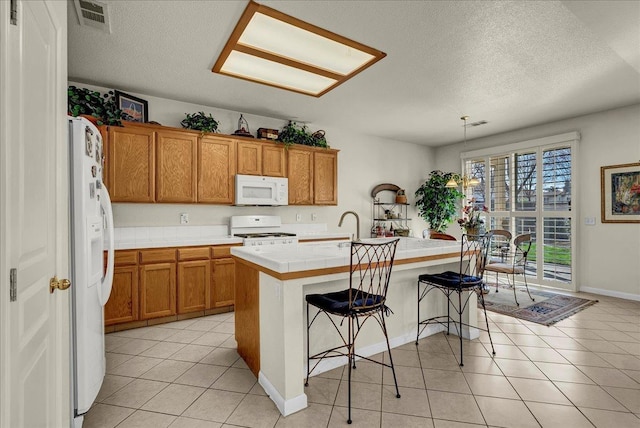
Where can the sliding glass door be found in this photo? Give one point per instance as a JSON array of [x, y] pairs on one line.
[[528, 190]]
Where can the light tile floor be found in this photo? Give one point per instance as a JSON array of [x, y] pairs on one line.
[[582, 372]]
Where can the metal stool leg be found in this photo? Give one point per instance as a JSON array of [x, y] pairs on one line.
[[393, 370], [350, 357], [306, 382], [487, 321], [460, 316]]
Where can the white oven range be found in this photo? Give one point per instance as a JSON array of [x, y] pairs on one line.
[[257, 230]]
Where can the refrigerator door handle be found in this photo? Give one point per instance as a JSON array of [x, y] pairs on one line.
[[107, 280]]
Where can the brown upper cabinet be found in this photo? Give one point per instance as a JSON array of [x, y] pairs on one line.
[[130, 164], [216, 169], [177, 164], [152, 163], [325, 178], [313, 176], [300, 173], [261, 158]]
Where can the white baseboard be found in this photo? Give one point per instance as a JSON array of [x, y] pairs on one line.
[[376, 348], [286, 407], [611, 293]]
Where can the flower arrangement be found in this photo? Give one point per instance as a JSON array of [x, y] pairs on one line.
[[471, 216]]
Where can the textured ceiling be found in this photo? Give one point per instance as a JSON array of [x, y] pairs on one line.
[[513, 64]]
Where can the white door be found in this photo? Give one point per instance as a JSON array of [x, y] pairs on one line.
[[34, 215]]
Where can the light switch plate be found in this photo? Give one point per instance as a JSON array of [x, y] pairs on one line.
[[314, 217], [590, 221], [298, 217]]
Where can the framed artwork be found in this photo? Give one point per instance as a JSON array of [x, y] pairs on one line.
[[133, 108], [620, 193]]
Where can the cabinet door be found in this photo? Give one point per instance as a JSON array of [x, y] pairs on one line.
[[223, 284], [249, 158], [130, 164], [122, 305], [176, 155], [157, 290], [325, 178], [273, 160], [194, 284], [216, 170], [300, 173]]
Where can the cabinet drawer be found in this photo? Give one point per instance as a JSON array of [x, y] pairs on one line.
[[196, 253], [222, 250], [125, 258], [158, 255]]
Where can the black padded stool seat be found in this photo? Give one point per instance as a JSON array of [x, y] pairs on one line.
[[339, 303]]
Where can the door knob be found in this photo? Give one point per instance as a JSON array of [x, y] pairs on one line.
[[60, 284]]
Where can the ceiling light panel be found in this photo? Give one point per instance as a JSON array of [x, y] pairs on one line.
[[272, 73], [272, 48], [286, 40]]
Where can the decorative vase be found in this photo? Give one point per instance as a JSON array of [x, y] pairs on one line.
[[474, 232]]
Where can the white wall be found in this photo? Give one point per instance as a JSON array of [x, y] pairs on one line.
[[363, 163], [608, 254]]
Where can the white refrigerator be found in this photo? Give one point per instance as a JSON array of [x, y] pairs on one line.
[[91, 234]]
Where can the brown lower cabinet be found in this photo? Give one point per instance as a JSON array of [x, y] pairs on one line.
[[162, 282], [194, 283], [123, 301], [157, 290], [223, 284]]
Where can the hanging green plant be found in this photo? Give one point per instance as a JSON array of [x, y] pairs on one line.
[[200, 122], [92, 103], [292, 133]]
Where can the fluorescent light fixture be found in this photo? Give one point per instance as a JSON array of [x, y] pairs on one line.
[[279, 50]]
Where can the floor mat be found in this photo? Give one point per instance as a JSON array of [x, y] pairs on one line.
[[547, 309]]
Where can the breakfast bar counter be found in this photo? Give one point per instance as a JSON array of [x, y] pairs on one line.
[[270, 307]]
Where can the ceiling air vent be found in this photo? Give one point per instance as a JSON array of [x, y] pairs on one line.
[[93, 14], [478, 123]]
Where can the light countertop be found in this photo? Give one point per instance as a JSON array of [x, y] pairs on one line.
[[129, 238], [308, 256]]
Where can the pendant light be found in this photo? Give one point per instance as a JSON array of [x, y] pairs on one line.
[[464, 180]]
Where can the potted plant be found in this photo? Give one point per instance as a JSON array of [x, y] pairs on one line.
[[292, 133], [470, 220], [436, 203], [200, 122], [83, 101]]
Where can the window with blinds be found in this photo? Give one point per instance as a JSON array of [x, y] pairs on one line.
[[528, 190]]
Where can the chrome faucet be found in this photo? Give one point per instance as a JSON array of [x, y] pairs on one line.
[[357, 222]]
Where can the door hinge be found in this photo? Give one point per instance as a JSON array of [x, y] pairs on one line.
[[13, 285], [14, 12]]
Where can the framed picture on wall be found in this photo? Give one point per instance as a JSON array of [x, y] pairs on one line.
[[620, 193], [133, 108]]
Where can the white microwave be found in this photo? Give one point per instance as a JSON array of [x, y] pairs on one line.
[[261, 190]]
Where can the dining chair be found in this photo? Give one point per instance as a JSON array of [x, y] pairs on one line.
[[438, 235], [499, 248], [366, 297], [515, 263], [464, 283]]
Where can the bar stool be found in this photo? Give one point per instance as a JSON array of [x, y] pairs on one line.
[[365, 298], [468, 279]]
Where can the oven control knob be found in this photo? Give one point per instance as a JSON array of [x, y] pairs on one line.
[[260, 243], [272, 242]]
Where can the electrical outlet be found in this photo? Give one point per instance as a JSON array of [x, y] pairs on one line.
[[314, 217], [184, 218], [298, 217], [590, 221]]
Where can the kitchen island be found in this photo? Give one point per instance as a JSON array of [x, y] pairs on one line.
[[271, 285]]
